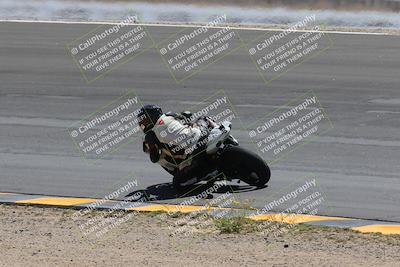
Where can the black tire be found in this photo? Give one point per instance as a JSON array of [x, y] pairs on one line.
[[236, 161]]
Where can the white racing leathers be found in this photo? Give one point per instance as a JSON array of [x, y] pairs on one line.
[[179, 139]]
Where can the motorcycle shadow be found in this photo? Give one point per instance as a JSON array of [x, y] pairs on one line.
[[165, 191]]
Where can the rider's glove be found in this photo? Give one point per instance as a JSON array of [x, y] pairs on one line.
[[150, 141]]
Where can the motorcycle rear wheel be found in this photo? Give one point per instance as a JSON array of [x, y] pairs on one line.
[[248, 166]]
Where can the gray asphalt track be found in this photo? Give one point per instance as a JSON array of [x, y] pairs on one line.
[[356, 164]]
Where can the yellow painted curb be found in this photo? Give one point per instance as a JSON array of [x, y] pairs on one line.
[[294, 218], [383, 229], [57, 201], [283, 218], [174, 208]]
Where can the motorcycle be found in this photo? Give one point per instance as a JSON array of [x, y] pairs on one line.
[[220, 154]]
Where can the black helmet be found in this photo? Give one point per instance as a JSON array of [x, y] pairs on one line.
[[148, 116]]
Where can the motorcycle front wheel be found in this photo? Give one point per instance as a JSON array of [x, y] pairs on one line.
[[249, 167]]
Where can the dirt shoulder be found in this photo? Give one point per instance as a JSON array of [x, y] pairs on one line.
[[35, 236]]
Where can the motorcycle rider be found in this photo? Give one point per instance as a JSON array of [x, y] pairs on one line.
[[174, 135]]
